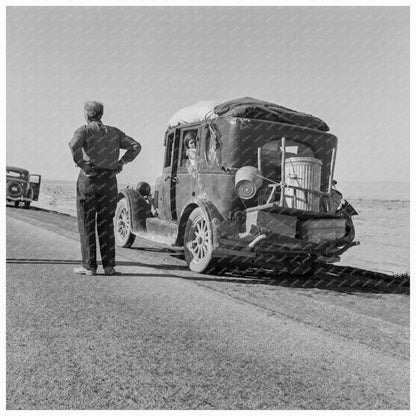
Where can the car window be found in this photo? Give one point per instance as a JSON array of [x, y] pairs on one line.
[[168, 150], [186, 137], [293, 149], [212, 146], [271, 156], [15, 174]]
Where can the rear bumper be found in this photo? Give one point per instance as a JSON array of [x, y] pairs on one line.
[[19, 198], [271, 234], [275, 247]]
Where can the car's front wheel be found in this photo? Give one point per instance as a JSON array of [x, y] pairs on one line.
[[122, 228], [198, 245]]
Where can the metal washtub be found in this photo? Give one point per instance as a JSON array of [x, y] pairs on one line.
[[303, 172]]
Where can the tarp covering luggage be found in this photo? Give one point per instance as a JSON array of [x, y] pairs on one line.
[[257, 109], [246, 108]]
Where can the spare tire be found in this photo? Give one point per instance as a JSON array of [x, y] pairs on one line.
[[14, 189]]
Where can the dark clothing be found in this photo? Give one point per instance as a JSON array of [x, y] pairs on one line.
[[96, 204], [100, 145]]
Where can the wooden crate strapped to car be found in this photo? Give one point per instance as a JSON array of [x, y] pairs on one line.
[[320, 230]]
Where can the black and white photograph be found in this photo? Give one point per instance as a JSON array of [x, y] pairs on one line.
[[207, 206]]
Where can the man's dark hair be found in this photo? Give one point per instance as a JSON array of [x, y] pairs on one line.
[[93, 110]]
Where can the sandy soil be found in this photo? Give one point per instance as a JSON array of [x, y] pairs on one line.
[[382, 227]]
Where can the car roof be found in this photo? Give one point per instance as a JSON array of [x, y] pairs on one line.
[[15, 169]]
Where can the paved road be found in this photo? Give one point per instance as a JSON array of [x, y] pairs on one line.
[[160, 337]]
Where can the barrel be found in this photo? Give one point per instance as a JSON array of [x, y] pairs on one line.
[[304, 172], [248, 180]]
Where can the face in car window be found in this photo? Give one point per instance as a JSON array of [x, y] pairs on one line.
[[189, 153]]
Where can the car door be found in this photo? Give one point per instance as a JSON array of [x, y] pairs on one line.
[[35, 186], [187, 170], [167, 195]]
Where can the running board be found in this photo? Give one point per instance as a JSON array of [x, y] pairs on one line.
[[160, 231]]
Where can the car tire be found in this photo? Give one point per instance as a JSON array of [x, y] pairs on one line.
[[198, 243], [14, 189], [16, 204], [122, 227], [27, 204]]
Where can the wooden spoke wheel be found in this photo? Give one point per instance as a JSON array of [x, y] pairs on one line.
[[122, 229], [198, 246]]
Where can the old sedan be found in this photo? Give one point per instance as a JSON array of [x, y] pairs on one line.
[[256, 187], [21, 186]]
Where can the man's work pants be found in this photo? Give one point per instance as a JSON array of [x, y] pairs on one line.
[[96, 207]]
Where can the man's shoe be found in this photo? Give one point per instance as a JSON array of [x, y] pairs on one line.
[[85, 271], [110, 271]]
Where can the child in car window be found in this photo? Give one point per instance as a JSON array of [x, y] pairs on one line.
[[190, 144]]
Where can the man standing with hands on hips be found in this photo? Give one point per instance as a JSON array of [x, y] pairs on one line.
[[95, 149]]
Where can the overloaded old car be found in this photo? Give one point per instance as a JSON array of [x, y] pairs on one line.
[[21, 186], [255, 187]]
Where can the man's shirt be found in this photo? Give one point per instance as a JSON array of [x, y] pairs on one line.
[[100, 145]]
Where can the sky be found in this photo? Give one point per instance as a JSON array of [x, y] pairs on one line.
[[349, 66]]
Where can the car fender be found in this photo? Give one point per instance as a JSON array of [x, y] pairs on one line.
[[210, 210], [350, 229], [138, 209]]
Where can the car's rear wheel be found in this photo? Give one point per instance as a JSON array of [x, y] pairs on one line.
[[16, 204], [27, 204], [122, 228], [198, 245]]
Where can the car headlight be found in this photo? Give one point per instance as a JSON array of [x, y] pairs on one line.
[[248, 180], [143, 188]]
